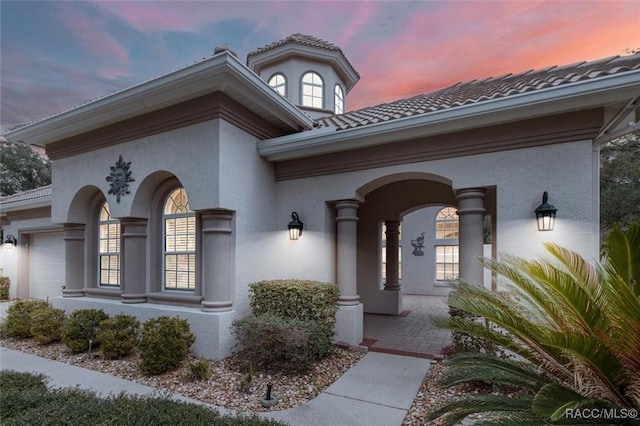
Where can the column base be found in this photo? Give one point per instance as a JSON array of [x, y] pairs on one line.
[[349, 324], [216, 306], [348, 300], [134, 298], [73, 293]]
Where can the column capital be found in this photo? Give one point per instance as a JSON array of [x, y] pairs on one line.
[[470, 201]]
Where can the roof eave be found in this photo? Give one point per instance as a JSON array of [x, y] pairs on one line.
[[222, 72], [25, 205], [568, 97]]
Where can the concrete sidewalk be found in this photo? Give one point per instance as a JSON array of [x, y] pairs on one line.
[[378, 390]]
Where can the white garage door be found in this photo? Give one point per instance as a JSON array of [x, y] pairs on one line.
[[46, 265]]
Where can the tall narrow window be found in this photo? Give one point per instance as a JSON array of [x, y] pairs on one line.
[[279, 84], [312, 90], [108, 248], [339, 100], [179, 252], [447, 253]]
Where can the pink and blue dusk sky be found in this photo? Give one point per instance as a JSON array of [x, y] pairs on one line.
[[58, 54]]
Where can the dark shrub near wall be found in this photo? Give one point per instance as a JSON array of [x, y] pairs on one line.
[[292, 326], [5, 283]]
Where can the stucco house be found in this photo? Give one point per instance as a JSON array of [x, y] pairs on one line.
[[172, 196]]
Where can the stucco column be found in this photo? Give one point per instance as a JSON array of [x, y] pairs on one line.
[[392, 232], [471, 212], [346, 251], [74, 264], [217, 260], [133, 259]]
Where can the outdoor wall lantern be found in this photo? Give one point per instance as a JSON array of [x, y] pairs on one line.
[[10, 241], [546, 214], [295, 227]]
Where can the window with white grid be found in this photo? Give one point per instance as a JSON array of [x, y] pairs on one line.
[[108, 248], [179, 251], [447, 229], [279, 84], [339, 100], [312, 90]]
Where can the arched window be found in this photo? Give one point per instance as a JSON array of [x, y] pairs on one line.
[[108, 248], [447, 253], [339, 100], [179, 235], [279, 84], [312, 90]]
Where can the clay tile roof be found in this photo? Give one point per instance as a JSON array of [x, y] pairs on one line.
[[297, 38], [477, 91], [32, 194]]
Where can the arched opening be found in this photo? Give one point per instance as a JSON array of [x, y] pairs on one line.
[[398, 301]]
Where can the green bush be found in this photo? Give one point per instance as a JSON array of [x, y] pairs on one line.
[[312, 302], [47, 324], [81, 328], [165, 343], [17, 323], [276, 343], [118, 336], [198, 370], [26, 401], [5, 283]]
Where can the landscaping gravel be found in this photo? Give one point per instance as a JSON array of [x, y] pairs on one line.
[[232, 388]]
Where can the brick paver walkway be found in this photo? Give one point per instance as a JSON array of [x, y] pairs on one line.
[[411, 333]]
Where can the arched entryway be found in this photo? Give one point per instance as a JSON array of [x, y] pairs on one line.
[[395, 321]]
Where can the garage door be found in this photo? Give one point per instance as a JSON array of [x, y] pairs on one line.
[[46, 265]]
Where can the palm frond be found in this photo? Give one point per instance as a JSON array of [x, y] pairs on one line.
[[458, 410], [470, 367], [623, 254], [554, 400]]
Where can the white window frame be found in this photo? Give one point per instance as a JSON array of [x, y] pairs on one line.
[[190, 240], [312, 90], [446, 248], [339, 100], [279, 83], [109, 232]]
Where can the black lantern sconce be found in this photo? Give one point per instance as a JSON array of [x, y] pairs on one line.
[[10, 242], [295, 227], [546, 214]]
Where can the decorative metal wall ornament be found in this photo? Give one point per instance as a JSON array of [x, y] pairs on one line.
[[119, 178], [418, 245]]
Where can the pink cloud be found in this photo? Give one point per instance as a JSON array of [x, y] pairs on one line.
[[482, 39], [94, 35]]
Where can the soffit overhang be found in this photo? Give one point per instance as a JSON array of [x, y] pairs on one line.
[[220, 73], [607, 91]]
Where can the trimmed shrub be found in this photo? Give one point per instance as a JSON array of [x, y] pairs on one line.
[[164, 344], [118, 336], [18, 323], [276, 343], [5, 283], [47, 324], [81, 329], [313, 302]]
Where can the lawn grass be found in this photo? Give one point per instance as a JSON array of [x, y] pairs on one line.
[[26, 400]]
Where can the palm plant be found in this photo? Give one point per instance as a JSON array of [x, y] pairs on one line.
[[574, 334]]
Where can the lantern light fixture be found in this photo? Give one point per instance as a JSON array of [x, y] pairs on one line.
[[10, 242], [545, 214], [295, 227]]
